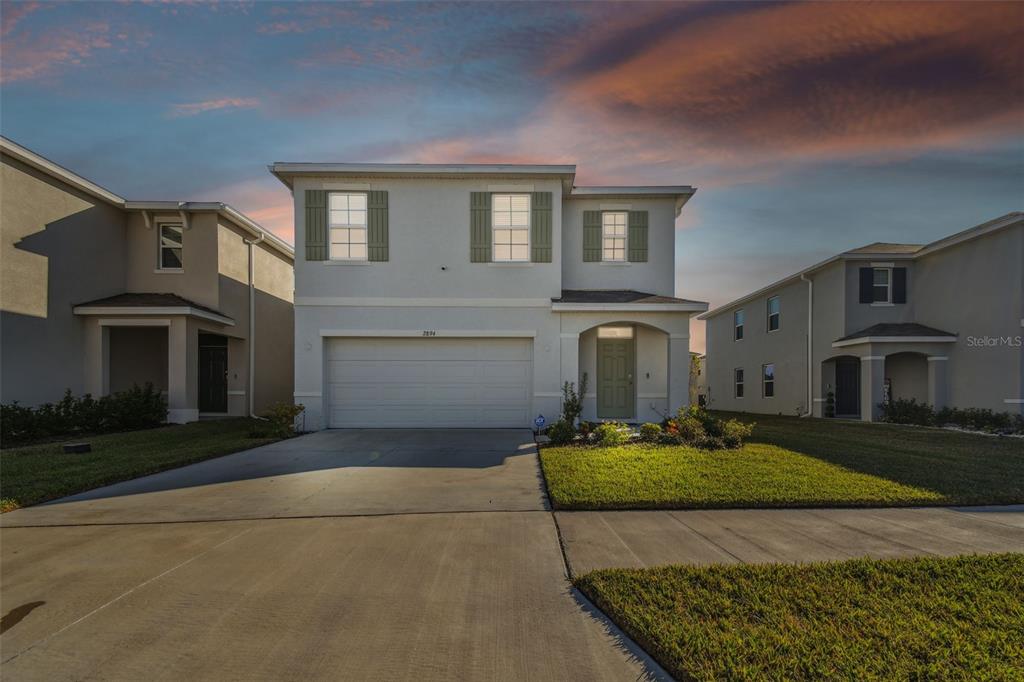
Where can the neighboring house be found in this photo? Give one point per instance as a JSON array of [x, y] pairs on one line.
[[466, 295], [941, 323], [99, 293], [698, 380]]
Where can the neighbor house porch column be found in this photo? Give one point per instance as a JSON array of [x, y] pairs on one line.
[[180, 407], [872, 386], [938, 387], [678, 371], [97, 357], [569, 343]]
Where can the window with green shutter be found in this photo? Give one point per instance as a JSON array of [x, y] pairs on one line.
[[638, 236], [480, 227], [540, 227], [377, 225], [591, 236], [316, 224]]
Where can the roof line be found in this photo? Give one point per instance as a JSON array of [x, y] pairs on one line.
[[41, 163], [1007, 220]]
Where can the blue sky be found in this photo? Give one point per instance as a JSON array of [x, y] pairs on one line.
[[807, 128]]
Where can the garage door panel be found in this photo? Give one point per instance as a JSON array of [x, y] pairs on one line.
[[413, 382]]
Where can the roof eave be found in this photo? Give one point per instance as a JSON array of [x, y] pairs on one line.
[[286, 171], [692, 307], [40, 163]]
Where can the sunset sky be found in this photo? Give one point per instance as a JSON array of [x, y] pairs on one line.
[[807, 128]]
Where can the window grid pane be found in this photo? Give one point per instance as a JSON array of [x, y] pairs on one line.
[[510, 221], [613, 236], [347, 210]]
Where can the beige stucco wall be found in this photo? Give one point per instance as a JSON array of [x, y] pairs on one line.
[[198, 280], [908, 374], [137, 355], [48, 228]]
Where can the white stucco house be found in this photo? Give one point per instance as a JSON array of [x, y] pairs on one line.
[[465, 295]]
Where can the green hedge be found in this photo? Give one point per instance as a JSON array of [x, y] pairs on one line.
[[909, 411], [131, 410]]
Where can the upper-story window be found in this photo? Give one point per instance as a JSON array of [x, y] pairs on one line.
[[613, 236], [170, 246], [774, 313], [737, 323], [347, 222], [882, 285], [510, 220]]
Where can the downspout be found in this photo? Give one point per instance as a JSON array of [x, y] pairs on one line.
[[252, 328], [810, 345]]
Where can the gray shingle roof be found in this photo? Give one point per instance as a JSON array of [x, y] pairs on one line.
[[147, 300], [614, 296], [888, 247], [896, 329]]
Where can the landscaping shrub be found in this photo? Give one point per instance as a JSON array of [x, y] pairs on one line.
[[277, 422], [612, 433], [696, 427], [651, 433], [907, 411], [137, 408], [561, 432], [572, 401], [585, 429]]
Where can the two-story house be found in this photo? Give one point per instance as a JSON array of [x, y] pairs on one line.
[[941, 323], [466, 295], [100, 293]]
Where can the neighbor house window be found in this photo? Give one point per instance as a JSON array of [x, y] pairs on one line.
[[768, 380], [882, 289], [170, 246], [613, 236], [738, 382], [773, 313], [737, 322], [348, 226], [510, 219]]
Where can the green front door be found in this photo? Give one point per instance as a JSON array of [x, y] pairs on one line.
[[616, 398]]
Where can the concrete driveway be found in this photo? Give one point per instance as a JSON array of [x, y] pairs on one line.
[[338, 555]]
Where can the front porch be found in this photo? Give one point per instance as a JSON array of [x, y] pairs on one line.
[[635, 354], [190, 353], [883, 363]]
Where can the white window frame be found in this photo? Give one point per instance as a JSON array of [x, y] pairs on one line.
[[160, 225], [769, 313], [348, 226], [511, 228], [888, 285], [615, 237], [765, 380], [738, 383], [738, 327]]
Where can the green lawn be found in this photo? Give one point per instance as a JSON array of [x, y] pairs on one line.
[[791, 462], [37, 473], [907, 619]]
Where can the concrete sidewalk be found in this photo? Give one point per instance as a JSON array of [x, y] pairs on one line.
[[637, 539]]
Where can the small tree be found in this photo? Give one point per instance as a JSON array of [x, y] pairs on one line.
[[830, 404], [572, 402]]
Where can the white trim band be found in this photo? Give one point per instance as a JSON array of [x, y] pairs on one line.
[[937, 358], [872, 357], [151, 310], [894, 339], [307, 394], [1014, 401], [236, 392], [431, 333], [134, 322], [629, 307], [385, 302]]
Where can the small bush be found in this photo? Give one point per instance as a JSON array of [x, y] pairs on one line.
[[561, 432], [586, 428], [696, 427], [132, 410], [651, 433], [277, 422], [907, 411], [612, 433], [980, 419], [572, 401]]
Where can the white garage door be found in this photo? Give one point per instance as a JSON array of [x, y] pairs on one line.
[[429, 382]]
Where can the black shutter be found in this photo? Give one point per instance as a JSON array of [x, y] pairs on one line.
[[899, 285], [867, 283]]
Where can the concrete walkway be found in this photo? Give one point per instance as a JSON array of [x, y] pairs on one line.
[[339, 555], [637, 539]]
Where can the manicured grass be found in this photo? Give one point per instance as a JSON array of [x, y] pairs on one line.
[[908, 619], [38, 473], [791, 462]]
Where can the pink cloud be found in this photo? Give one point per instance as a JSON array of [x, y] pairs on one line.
[[264, 200], [28, 57], [194, 108], [13, 13]]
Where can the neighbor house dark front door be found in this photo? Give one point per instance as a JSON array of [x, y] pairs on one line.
[[848, 387], [213, 373]]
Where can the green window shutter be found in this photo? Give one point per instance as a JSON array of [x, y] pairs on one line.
[[316, 224], [377, 226], [540, 227], [637, 240], [591, 236], [480, 227]]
